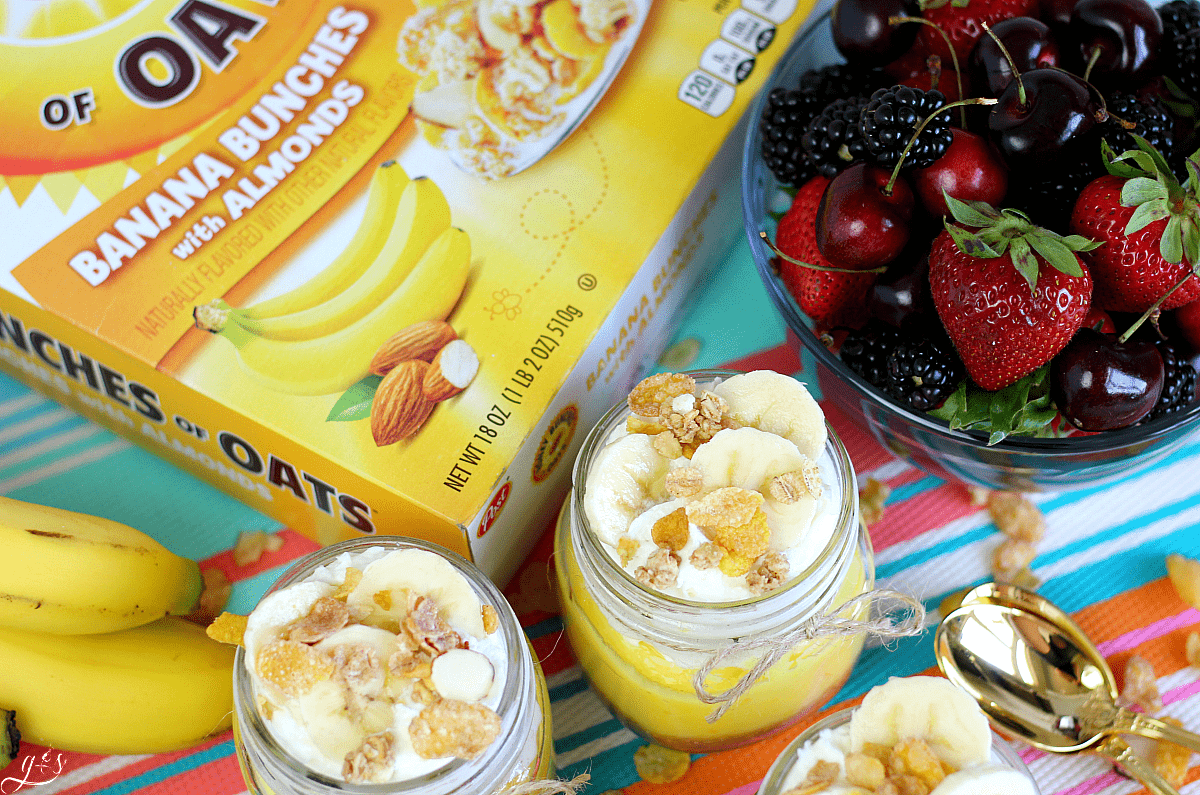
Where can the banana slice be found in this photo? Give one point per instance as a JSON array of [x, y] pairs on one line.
[[985, 780], [279, 609], [428, 574], [447, 104], [625, 480], [928, 708], [778, 404]]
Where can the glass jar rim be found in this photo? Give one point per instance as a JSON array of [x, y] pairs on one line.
[[631, 587]]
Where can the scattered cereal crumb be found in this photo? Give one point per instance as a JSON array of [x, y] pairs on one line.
[[768, 573], [1185, 577], [1171, 760], [1010, 556], [491, 619], [978, 495], [636, 424], [791, 487], [749, 540], [214, 597], [916, 758], [1192, 649], [626, 548], [671, 531], [1141, 685], [453, 728], [424, 623], [666, 445], [292, 666], [864, 771], [359, 666], [648, 397], [819, 777], [684, 481], [1025, 578], [1016, 516], [251, 546], [383, 599], [227, 628], [707, 556], [353, 578], [265, 707], [732, 565], [728, 506], [659, 765], [326, 616], [371, 760], [661, 569], [871, 500]]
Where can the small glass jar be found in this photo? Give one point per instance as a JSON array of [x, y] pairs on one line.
[[640, 649], [522, 752], [776, 780]]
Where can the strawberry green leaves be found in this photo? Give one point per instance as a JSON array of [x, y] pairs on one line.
[[994, 233], [1023, 408], [1156, 194]]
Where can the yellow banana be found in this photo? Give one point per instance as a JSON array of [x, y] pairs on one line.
[[149, 689], [332, 363], [69, 573], [383, 198]]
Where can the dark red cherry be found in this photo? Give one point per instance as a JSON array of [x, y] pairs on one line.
[[859, 226], [971, 170], [1057, 12], [903, 290], [1124, 34], [1058, 110], [1029, 42], [862, 33], [1187, 321], [1100, 384]]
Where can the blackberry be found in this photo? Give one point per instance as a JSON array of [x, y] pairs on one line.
[[1152, 123], [866, 351], [1180, 53], [890, 118], [833, 139], [1048, 196], [1179, 383], [923, 370], [788, 112]]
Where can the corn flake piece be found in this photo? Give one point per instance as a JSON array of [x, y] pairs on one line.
[[371, 760], [383, 599], [791, 487], [728, 507], [353, 578], [326, 616], [636, 424], [1192, 650], [732, 565], [1010, 556], [871, 500], [661, 569], [908, 784], [626, 548], [749, 540], [768, 573], [1185, 577], [648, 397], [978, 495], [671, 531], [453, 728], [666, 445], [707, 556], [1016, 516], [228, 628], [684, 481], [214, 596], [914, 757], [292, 666], [864, 771], [251, 546], [1172, 761], [659, 765], [1141, 684], [491, 619]]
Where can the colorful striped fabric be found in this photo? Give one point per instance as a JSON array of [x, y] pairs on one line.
[[1102, 560]]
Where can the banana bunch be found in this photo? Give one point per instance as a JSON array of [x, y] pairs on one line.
[[404, 265], [143, 680]]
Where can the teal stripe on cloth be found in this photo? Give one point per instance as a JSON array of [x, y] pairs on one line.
[[247, 592], [602, 729], [159, 774]]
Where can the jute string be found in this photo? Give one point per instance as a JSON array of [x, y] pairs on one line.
[[827, 625], [550, 786]]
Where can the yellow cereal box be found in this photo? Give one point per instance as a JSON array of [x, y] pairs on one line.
[[372, 267]]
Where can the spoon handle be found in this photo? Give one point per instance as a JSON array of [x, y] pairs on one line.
[[1136, 723], [1117, 750]]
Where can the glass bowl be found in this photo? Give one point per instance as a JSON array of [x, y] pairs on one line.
[[772, 783], [1017, 463]]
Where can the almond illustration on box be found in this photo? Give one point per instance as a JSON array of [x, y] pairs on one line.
[[405, 268]]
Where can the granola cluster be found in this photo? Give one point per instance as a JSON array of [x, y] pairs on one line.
[[497, 73], [338, 644], [910, 767]]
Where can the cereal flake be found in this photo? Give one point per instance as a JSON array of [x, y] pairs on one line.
[[684, 481], [351, 581], [768, 574], [649, 397], [659, 765], [1184, 574], [453, 728], [666, 445], [749, 540], [671, 531], [251, 546], [791, 487], [1010, 556], [707, 556], [491, 619], [1141, 685], [725, 507], [914, 757], [227, 628], [371, 760], [864, 771], [326, 616], [872, 498], [294, 667], [732, 565], [425, 625], [661, 569], [1172, 761], [1016, 516], [626, 548]]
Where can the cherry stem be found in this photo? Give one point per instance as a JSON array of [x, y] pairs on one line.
[[1125, 125], [1154, 310], [896, 20], [962, 103], [1022, 100], [1095, 56], [766, 240]]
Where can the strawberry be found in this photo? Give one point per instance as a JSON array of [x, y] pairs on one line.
[[830, 298], [962, 21], [1005, 310], [1150, 227]]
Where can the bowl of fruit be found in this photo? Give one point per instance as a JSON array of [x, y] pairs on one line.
[[981, 220]]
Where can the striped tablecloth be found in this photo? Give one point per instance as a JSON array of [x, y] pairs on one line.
[[1102, 560]]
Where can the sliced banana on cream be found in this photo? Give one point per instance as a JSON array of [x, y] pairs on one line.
[[626, 478], [427, 574], [778, 404]]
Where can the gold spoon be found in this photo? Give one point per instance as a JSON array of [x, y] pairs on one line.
[[1033, 682], [1107, 718]]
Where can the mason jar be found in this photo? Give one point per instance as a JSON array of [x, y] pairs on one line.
[[641, 649], [521, 753]]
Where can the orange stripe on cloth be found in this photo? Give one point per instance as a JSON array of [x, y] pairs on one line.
[[1151, 605], [294, 546]]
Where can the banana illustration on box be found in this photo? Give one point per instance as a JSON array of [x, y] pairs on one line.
[[415, 273], [158, 687], [68, 573]]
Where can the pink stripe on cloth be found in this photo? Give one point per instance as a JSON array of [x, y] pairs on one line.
[[745, 789], [1137, 637], [1094, 784]]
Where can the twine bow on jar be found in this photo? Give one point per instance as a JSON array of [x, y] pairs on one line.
[[826, 625], [550, 786]]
